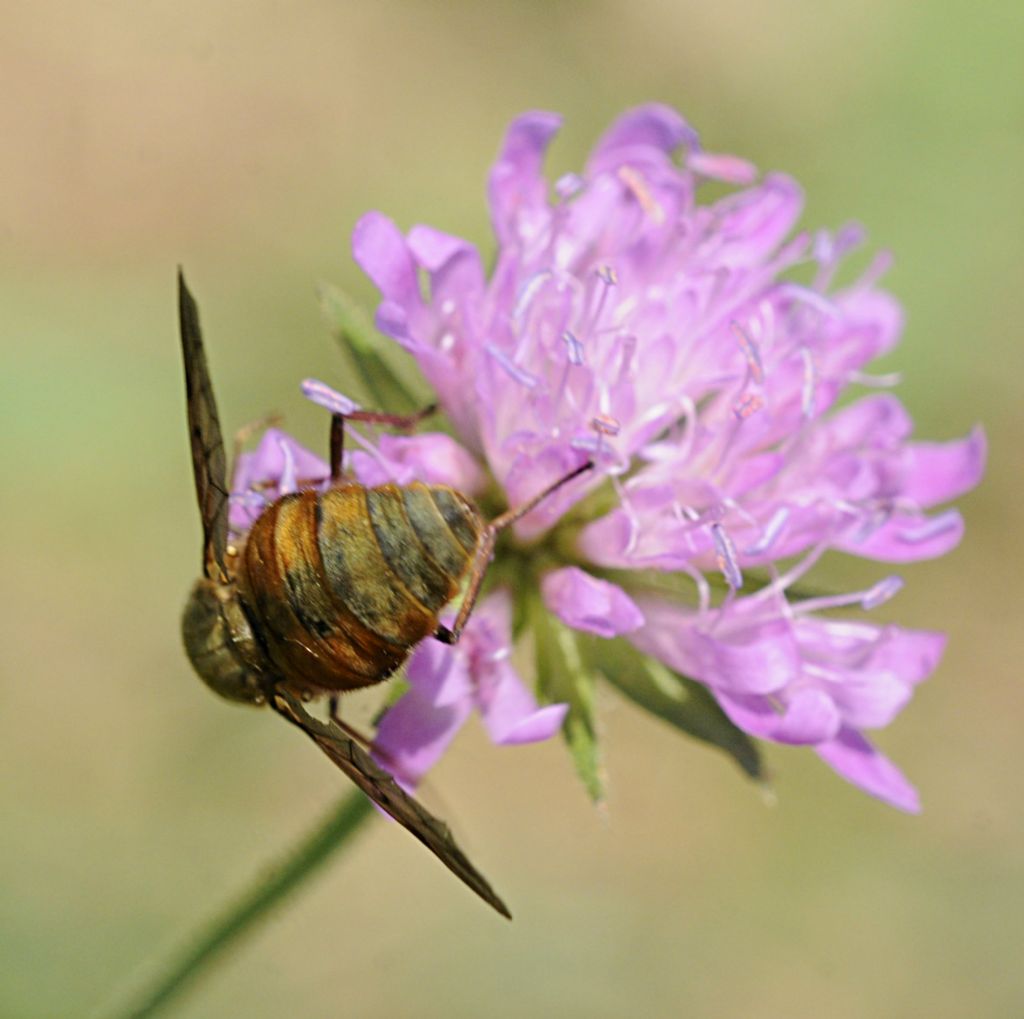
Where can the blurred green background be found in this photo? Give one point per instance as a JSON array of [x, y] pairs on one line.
[[243, 140]]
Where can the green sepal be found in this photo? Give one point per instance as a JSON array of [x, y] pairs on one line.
[[563, 677], [678, 700], [368, 351]]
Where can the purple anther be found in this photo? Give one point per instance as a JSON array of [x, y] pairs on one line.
[[750, 352], [881, 592], [605, 424], [725, 556], [771, 532], [573, 347], [330, 399], [747, 405], [521, 376]]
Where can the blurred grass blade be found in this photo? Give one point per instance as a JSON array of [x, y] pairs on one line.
[[563, 677], [240, 917], [355, 331], [682, 702]]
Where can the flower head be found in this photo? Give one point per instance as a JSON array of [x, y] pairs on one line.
[[697, 351]]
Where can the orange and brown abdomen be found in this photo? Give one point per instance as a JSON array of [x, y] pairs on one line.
[[340, 585]]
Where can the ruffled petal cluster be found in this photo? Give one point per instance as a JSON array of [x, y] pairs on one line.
[[447, 684], [278, 465]]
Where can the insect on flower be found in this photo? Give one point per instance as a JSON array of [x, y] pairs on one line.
[[330, 590]]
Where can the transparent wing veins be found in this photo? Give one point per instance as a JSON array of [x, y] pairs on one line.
[[209, 461], [388, 795]]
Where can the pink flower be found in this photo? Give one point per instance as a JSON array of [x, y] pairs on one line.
[[626, 321], [447, 684], [277, 466], [670, 340]]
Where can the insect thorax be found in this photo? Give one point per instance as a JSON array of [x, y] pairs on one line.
[[220, 643]]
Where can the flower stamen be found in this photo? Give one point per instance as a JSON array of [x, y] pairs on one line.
[[747, 405], [330, 399], [867, 599], [809, 384], [931, 528], [753, 356], [771, 532], [521, 375], [530, 289], [637, 186], [725, 557], [288, 483], [573, 347], [876, 381]]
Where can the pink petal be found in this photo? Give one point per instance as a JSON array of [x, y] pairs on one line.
[[392, 319], [652, 126], [755, 660], [878, 420], [870, 699], [456, 273], [753, 223], [907, 538], [811, 716], [381, 251], [509, 710], [516, 184], [431, 457], [267, 462], [416, 731], [433, 248], [586, 603], [939, 471], [759, 657], [607, 540], [414, 734], [439, 673], [912, 654], [543, 724], [258, 475], [536, 727], [876, 318], [856, 760]]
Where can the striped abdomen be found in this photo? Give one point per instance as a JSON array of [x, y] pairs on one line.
[[340, 585]]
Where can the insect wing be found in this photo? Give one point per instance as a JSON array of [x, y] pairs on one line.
[[209, 462], [389, 796]]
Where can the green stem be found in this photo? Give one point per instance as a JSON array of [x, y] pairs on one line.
[[255, 903]]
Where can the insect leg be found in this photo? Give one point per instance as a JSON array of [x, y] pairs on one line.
[[509, 517], [403, 422], [481, 560], [351, 731], [485, 549]]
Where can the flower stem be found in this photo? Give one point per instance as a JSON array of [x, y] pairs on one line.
[[240, 916]]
